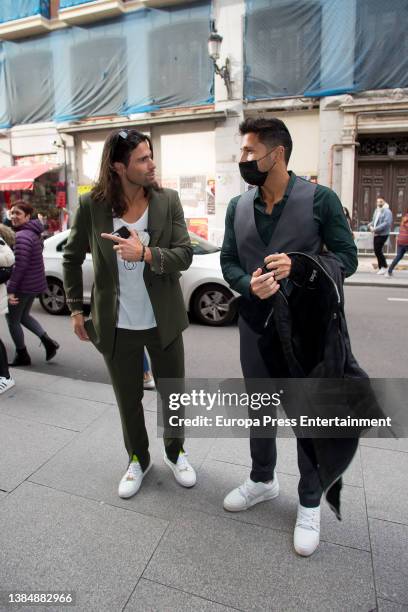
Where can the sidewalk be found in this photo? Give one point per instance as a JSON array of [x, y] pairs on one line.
[[366, 274], [63, 527]]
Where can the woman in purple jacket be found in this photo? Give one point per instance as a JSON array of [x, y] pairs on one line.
[[26, 282]]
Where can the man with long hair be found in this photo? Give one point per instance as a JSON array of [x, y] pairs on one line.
[[136, 299]]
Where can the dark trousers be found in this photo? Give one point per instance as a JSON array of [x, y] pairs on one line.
[[263, 450], [379, 242], [4, 371], [126, 371], [401, 250], [19, 316]]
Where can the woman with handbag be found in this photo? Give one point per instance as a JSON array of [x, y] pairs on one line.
[[26, 282], [6, 263]]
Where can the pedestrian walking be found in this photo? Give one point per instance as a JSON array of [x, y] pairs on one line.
[[381, 226], [26, 282], [6, 263], [139, 244], [283, 214], [402, 244]]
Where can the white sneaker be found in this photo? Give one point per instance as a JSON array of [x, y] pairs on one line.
[[307, 530], [381, 271], [131, 481], [6, 384], [251, 493], [183, 472]]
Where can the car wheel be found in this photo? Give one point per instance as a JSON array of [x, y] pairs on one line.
[[53, 300], [212, 305]]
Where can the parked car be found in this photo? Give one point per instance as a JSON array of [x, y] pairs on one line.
[[206, 294]]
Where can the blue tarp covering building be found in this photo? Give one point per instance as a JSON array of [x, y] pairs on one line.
[[18, 9], [68, 3], [323, 47], [157, 58], [146, 60]]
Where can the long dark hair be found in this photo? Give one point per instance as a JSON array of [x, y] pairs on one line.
[[118, 147]]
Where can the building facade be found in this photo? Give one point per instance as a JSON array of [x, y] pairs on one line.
[[336, 71]]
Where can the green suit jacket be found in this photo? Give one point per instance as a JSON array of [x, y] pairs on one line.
[[171, 252]]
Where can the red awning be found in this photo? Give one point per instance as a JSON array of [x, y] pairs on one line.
[[22, 177]]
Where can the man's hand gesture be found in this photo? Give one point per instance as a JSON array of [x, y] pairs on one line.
[[129, 249]]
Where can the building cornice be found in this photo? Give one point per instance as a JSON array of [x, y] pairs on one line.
[[371, 101], [281, 104], [111, 123]]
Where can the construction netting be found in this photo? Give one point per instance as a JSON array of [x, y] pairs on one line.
[[68, 3], [324, 47], [142, 61], [19, 9]]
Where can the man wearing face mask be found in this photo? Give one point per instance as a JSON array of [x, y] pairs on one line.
[[282, 214]]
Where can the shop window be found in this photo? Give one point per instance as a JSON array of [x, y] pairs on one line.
[[282, 49], [381, 44], [99, 84], [31, 90], [179, 67]]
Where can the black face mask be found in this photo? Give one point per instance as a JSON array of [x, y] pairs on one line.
[[250, 172]]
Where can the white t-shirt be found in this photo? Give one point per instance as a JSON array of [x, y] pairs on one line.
[[135, 308]]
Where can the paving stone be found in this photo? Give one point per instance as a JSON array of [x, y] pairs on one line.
[[34, 380], [98, 392], [255, 569], [236, 451], [387, 443], [95, 550], [153, 597], [216, 479], [386, 484], [52, 409], [390, 606], [25, 446], [390, 560], [93, 464]]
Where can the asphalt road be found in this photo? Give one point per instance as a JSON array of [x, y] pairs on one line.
[[378, 328]]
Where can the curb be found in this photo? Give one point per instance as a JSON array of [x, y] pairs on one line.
[[363, 283]]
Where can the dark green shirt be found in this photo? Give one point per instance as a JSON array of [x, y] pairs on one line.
[[328, 214]]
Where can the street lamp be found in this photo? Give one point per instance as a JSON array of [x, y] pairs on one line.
[[214, 47]]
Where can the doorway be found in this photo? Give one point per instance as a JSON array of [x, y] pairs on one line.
[[382, 170]]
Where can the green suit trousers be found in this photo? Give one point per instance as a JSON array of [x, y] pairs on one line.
[[126, 371]]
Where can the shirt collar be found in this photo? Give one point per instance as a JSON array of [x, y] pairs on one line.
[[258, 195]]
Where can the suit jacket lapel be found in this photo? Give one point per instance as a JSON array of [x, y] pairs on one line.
[[157, 216], [103, 223]]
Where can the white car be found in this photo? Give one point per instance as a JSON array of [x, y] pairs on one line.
[[206, 294]]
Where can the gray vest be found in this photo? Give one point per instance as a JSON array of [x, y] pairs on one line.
[[296, 229]]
